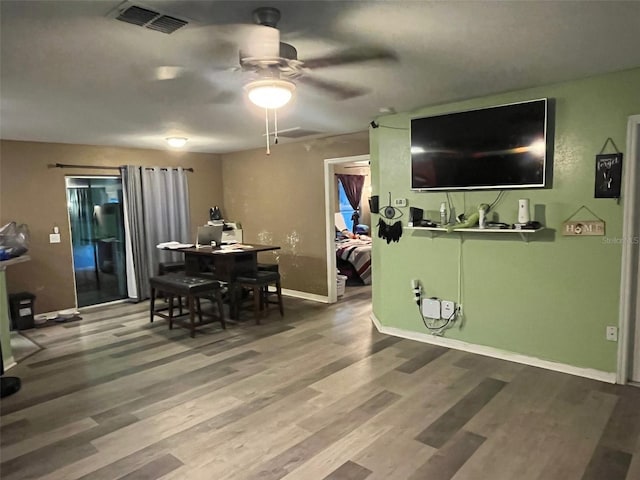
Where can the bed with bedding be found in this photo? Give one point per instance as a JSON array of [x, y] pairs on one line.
[[353, 256]]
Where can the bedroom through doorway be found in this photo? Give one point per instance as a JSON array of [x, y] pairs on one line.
[[348, 220]]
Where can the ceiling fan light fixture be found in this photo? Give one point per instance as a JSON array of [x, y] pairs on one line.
[[270, 93], [176, 142]]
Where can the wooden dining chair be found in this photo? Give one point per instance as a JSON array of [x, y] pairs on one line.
[[259, 285]]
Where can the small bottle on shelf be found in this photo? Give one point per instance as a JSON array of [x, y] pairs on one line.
[[443, 214], [482, 221]]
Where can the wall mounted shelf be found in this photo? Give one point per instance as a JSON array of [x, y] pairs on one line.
[[524, 234]]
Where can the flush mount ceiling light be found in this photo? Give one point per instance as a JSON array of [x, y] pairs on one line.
[[176, 142], [270, 93]]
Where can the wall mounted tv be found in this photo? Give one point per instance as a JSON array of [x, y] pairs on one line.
[[500, 147]]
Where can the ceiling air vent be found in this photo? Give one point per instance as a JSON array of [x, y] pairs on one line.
[[137, 15], [144, 17], [166, 24]]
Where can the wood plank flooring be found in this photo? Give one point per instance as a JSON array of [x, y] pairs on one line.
[[318, 394]]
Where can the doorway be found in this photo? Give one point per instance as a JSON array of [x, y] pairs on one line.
[[97, 237], [629, 339], [358, 261]]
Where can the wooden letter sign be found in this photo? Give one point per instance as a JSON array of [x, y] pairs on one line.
[[583, 228]]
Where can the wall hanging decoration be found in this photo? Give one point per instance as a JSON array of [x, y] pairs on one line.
[[583, 227], [374, 206], [386, 231], [608, 172]]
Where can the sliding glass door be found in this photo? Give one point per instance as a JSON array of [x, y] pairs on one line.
[[97, 236]]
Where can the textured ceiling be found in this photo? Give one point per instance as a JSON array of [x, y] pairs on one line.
[[71, 74]]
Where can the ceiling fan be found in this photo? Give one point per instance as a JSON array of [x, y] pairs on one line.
[[266, 61], [263, 54]]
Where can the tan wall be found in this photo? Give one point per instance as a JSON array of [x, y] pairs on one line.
[[33, 193], [279, 199]]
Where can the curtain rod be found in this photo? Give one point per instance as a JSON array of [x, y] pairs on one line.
[[102, 167]]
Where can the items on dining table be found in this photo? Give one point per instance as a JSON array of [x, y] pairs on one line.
[[174, 245], [215, 213], [235, 247]]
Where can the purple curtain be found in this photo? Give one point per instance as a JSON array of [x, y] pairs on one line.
[[352, 185]]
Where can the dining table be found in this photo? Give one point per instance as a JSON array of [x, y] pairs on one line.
[[224, 263]]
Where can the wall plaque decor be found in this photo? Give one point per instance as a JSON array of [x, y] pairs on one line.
[[583, 228], [608, 173]]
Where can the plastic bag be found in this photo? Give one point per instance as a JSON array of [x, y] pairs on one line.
[[14, 240]]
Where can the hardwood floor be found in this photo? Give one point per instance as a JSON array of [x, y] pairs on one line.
[[316, 395]]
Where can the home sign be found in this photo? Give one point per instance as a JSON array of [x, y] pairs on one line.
[[583, 228]]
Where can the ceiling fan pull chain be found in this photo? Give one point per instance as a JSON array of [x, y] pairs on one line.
[[266, 121], [275, 126]]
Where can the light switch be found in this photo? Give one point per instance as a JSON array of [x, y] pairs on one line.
[[54, 238]]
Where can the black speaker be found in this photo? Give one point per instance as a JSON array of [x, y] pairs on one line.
[[415, 215], [374, 206]]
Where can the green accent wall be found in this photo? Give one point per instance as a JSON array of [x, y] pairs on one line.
[[550, 297], [5, 321]]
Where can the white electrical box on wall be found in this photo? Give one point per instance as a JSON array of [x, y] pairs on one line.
[[447, 310], [431, 308]]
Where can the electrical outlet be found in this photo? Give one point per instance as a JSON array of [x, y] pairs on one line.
[[400, 202], [54, 238], [447, 310], [612, 334]]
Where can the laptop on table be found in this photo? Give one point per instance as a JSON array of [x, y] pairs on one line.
[[208, 234]]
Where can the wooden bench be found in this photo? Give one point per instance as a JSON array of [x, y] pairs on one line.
[[193, 288], [170, 267], [163, 269]]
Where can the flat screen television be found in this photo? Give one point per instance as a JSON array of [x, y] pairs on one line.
[[500, 147]]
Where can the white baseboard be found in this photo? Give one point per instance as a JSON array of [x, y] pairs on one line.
[[609, 377], [107, 304], [305, 296], [11, 362], [93, 307]]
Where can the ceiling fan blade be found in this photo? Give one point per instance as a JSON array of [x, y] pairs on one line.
[[220, 55], [340, 91], [224, 97], [187, 87], [351, 55]]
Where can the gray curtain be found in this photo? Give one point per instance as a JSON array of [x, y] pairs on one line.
[[132, 189], [157, 211], [166, 213]]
